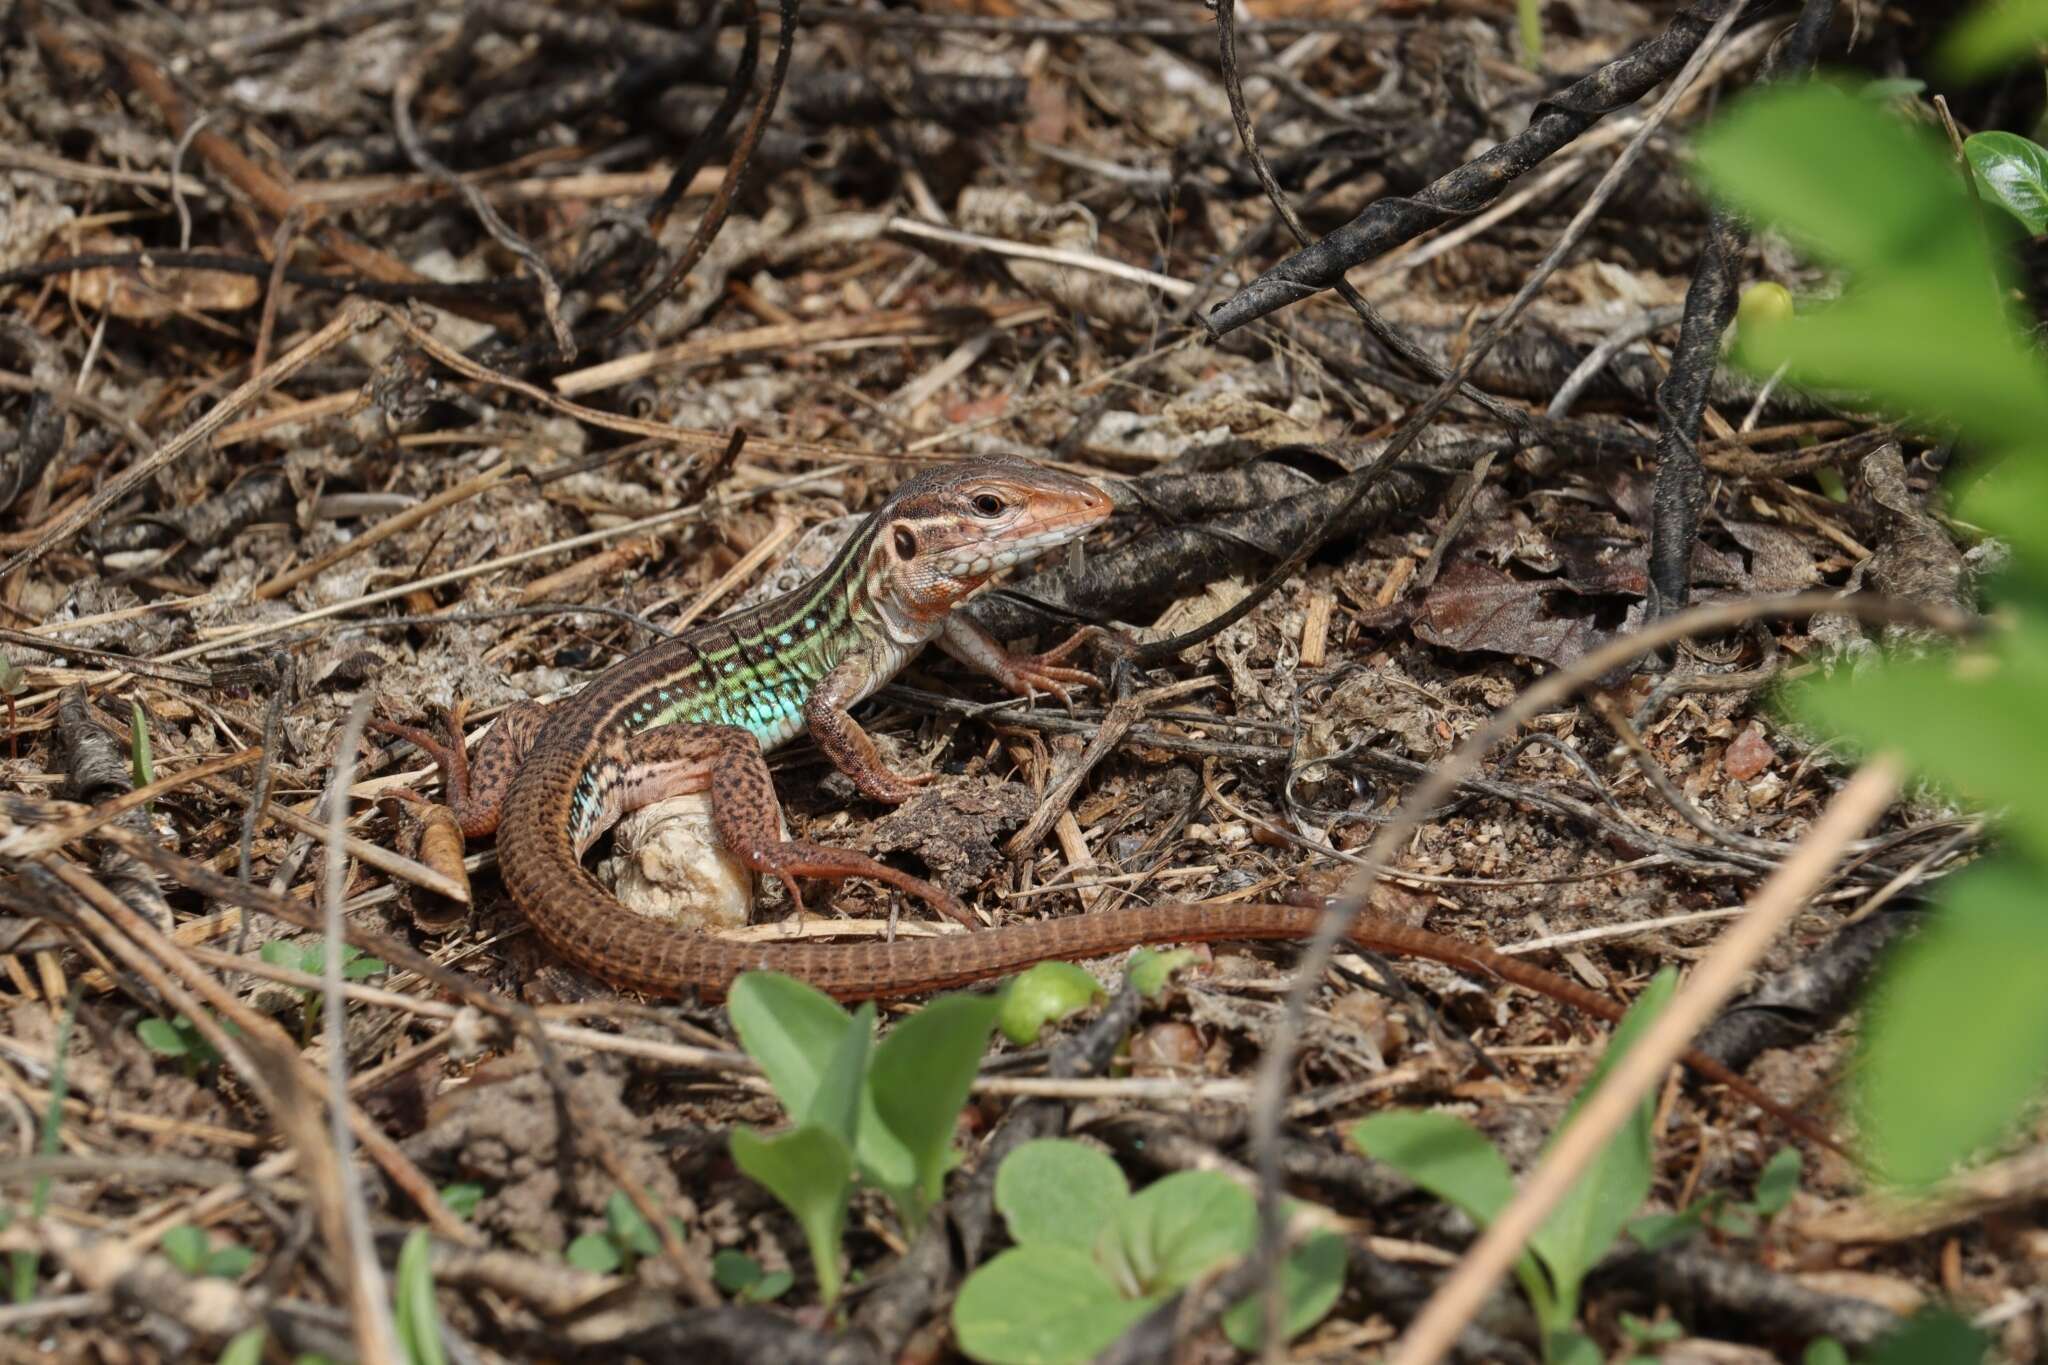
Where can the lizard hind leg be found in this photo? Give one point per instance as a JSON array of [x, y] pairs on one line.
[[748, 818], [475, 790]]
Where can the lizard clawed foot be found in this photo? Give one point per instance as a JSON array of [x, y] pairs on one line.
[[786, 862], [889, 788], [445, 748], [1029, 674]]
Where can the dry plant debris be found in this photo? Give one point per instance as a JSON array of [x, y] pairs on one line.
[[391, 355]]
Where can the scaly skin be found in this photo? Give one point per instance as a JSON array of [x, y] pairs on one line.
[[695, 713]]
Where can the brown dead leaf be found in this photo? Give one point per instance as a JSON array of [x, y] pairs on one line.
[[432, 836], [1478, 609], [152, 293], [1779, 560]]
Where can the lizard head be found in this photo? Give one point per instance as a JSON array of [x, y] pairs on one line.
[[948, 531]]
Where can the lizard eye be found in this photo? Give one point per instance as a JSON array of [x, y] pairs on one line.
[[987, 505], [906, 543]]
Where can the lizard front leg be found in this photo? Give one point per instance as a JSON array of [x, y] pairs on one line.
[[1024, 674], [474, 790], [845, 743]]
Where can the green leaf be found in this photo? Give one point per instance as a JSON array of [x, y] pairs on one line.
[[1932, 1335], [1312, 1279], [1655, 1231], [1174, 1229], [161, 1038], [417, 1318], [840, 1102], [1644, 1332], [1733, 1223], [628, 1229], [593, 1251], [1529, 13], [462, 1197], [144, 763], [1778, 1182], [1800, 156], [1041, 1305], [282, 952], [230, 1262], [1825, 1351], [769, 1287], [357, 968], [1443, 1154], [1949, 1058], [1991, 36], [1058, 1193], [1933, 343], [919, 1080], [245, 1348], [735, 1271], [811, 1172], [1151, 969], [1568, 1347], [186, 1247], [791, 1030], [1590, 1217], [1044, 994], [2009, 496], [1903, 88], [1974, 721], [2012, 172], [1922, 326]]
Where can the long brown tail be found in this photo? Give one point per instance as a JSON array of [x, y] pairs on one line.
[[641, 955]]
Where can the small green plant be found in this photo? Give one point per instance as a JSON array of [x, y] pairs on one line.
[[1091, 1258], [1646, 1335], [22, 1264], [13, 682], [179, 1038], [413, 1311], [1775, 1186], [1150, 970], [626, 1238], [1924, 327], [139, 755], [192, 1251], [310, 957], [1932, 1336], [1452, 1160], [245, 1348], [1529, 24], [1994, 35], [413, 1314], [1044, 994], [883, 1113], [741, 1276], [462, 1198], [2012, 172]]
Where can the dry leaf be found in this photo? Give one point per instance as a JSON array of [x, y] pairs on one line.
[[152, 293]]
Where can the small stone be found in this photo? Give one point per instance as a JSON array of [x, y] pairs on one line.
[[670, 866], [1748, 754]]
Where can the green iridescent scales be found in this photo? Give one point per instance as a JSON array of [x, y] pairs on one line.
[[759, 682]]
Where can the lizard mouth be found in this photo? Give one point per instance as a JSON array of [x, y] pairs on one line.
[[987, 557]]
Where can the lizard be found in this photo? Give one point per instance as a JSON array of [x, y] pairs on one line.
[[697, 712]]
